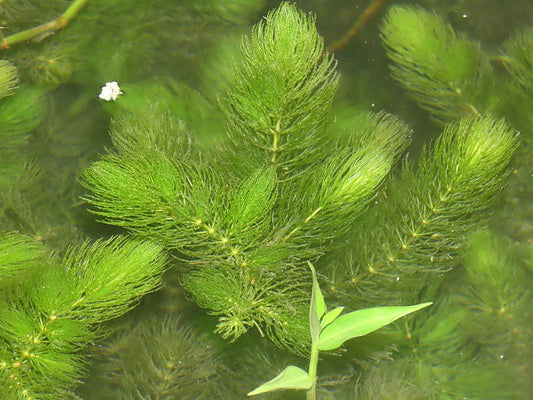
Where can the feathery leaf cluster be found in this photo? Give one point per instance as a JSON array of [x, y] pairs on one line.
[[20, 114], [8, 78], [48, 321], [480, 329], [441, 71], [285, 77], [160, 358], [519, 61], [435, 207], [18, 255], [246, 226]]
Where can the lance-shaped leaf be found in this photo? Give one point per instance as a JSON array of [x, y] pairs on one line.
[[360, 323], [330, 317], [317, 307], [291, 378]]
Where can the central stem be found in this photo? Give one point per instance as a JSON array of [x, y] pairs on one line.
[[313, 363], [276, 133]]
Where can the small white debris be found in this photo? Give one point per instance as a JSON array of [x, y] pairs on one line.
[[110, 91]]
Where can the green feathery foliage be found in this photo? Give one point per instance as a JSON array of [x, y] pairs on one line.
[[20, 112], [160, 358], [519, 64], [285, 77], [246, 238], [19, 115], [519, 61], [19, 255], [8, 78], [47, 322], [475, 344], [444, 73], [435, 207], [119, 40], [499, 298]]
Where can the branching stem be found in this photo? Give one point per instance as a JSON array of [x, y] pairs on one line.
[[309, 218], [42, 31], [413, 235]]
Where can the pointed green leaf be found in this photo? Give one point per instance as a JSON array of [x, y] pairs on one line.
[[291, 378], [360, 323], [317, 307], [330, 317], [319, 298]]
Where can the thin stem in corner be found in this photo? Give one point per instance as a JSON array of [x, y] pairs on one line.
[[42, 31], [367, 14]]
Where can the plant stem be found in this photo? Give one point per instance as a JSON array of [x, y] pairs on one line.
[[313, 364], [367, 14], [46, 29], [276, 133]]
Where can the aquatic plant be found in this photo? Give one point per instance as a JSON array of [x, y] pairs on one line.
[[50, 317], [236, 166], [158, 358]]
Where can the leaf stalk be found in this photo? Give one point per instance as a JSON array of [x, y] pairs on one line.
[[40, 32]]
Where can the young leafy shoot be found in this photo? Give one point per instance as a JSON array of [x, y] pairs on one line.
[[329, 331]]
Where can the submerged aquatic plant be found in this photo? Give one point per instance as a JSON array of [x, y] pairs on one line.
[[158, 358], [50, 317], [281, 192], [238, 210]]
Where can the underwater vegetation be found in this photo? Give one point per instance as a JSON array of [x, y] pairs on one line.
[[229, 150]]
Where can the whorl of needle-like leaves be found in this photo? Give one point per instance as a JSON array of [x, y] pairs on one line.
[[282, 90], [519, 60], [332, 194], [421, 222], [498, 298], [246, 239], [480, 325], [158, 358], [133, 133], [8, 78], [223, 231], [20, 113], [18, 254], [154, 196], [45, 326], [440, 70]]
